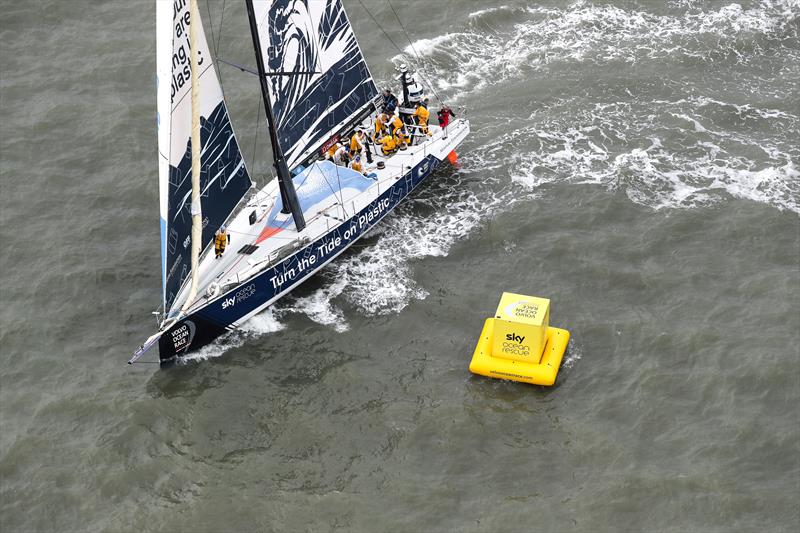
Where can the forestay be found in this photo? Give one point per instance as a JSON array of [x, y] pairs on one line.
[[223, 179], [313, 37]]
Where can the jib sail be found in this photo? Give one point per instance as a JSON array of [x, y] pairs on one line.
[[312, 37], [223, 177]]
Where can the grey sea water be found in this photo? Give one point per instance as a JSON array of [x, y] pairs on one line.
[[635, 161]]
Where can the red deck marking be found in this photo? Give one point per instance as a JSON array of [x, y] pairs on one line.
[[268, 232]]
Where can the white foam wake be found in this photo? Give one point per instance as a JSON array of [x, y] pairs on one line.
[[484, 54], [378, 279], [638, 147], [262, 324], [319, 306]]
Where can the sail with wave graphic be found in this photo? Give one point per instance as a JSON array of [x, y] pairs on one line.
[[314, 37], [223, 176]]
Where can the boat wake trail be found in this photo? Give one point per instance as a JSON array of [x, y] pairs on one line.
[[512, 43], [662, 154], [672, 143]]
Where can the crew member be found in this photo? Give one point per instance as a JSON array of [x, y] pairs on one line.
[[397, 130], [389, 102], [356, 165], [341, 157], [381, 127], [444, 115], [357, 143], [221, 240], [422, 115], [388, 145], [332, 150]]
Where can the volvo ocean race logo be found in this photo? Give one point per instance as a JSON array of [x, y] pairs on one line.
[[182, 336]]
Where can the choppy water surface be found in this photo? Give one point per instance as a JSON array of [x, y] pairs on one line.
[[637, 162]]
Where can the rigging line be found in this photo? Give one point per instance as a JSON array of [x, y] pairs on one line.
[[328, 184], [341, 195], [418, 56], [339, 181], [380, 27], [216, 54], [221, 20], [255, 137], [211, 25], [394, 43]]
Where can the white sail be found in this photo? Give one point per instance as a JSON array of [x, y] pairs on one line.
[[313, 36], [223, 176]]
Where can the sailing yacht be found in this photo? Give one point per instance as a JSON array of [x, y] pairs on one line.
[[317, 90]]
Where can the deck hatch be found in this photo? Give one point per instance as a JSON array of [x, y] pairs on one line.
[[248, 249]]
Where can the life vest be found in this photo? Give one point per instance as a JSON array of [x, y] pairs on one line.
[[388, 144], [397, 130], [422, 114], [355, 144], [380, 126], [220, 240]]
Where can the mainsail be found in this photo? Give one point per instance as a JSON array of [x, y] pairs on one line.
[[302, 36], [223, 177]]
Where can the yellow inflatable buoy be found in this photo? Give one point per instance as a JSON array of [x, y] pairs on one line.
[[518, 344]]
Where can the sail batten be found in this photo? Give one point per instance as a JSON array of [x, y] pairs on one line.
[[328, 83], [221, 160]]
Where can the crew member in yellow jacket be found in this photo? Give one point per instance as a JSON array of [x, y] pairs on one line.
[[356, 165], [358, 143], [397, 130], [422, 115], [388, 145], [381, 127], [221, 240]]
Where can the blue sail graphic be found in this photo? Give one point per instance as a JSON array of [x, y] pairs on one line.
[[312, 36], [223, 181]]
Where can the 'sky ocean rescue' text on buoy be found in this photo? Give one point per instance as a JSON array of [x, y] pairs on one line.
[[518, 343]]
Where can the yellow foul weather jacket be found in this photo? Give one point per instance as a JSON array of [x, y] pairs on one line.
[[221, 239], [388, 144], [422, 115]]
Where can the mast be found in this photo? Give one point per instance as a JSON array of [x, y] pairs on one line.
[[288, 194], [197, 213]]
